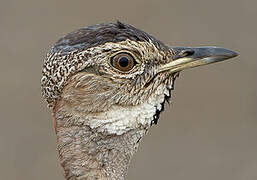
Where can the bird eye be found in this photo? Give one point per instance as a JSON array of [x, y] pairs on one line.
[[123, 62]]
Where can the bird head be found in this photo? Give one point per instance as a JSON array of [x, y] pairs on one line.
[[114, 77]]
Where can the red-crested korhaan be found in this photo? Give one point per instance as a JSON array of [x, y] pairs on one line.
[[106, 86]]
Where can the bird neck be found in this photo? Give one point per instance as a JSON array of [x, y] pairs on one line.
[[86, 153]]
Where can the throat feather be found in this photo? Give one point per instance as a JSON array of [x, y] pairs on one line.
[[119, 120]]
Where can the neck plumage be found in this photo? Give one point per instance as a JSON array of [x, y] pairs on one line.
[[87, 154]]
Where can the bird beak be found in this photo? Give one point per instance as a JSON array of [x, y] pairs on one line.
[[188, 57]]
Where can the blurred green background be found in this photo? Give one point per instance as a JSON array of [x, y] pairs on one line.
[[208, 132]]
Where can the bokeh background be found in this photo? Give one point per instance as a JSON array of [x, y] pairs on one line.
[[208, 132]]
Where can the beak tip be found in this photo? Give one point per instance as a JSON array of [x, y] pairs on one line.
[[231, 54], [235, 54], [218, 51]]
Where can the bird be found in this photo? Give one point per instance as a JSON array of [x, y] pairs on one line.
[[106, 85]]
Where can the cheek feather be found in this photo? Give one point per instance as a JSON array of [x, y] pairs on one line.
[[59, 67]]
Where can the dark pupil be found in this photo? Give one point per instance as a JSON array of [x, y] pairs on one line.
[[123, 61]]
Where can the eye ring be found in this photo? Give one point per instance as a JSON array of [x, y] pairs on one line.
[[123, 62]]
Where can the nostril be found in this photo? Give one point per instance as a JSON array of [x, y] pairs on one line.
[[188, 52], [184, 53]]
